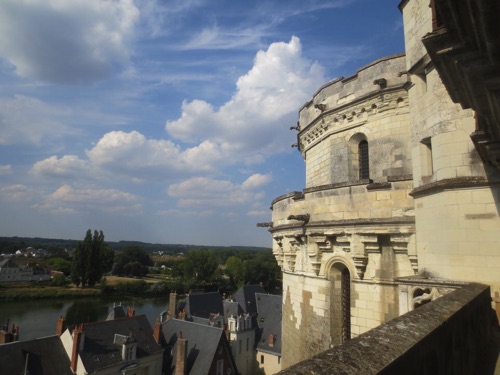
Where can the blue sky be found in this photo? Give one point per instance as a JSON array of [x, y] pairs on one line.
[[166, 121]]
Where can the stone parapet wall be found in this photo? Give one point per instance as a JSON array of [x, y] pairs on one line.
[[342, 91], [455, 334], [349, 201]]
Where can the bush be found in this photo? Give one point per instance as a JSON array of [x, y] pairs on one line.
[[60, 280]]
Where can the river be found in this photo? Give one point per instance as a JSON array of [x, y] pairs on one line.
[[38, 318]]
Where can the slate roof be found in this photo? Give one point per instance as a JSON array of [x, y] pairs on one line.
[[232, 308], [269, 309], [99, 350], [8, 263], [46, 356], [245, 296], [202, 343], [202, 305]]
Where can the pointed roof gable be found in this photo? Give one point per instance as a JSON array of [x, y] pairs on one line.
[[245, 296], [203, 341], [269, 308], [201, 305]]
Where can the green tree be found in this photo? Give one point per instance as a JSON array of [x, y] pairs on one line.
[[200, 266], [57, 251], [86, 267], [108, 258], [235, 270], [263, 269], [127, 260], [59, 264]]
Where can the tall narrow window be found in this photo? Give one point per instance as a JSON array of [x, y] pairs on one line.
[[364, 162]]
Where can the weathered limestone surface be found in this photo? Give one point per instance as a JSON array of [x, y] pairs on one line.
[[398, 208], [457, 196], [451, 335], [343, 226]]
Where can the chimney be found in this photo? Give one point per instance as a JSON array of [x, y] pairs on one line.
[[78, 338], [15, 333], [180, 355], [61, 326], [158, 333], [130, 311], [271, 340], [172, 304], [182, 315]]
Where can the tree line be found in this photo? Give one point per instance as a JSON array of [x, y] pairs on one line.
[[197, 268]]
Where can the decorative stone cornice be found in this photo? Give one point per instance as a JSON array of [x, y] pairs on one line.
[[351, 114]]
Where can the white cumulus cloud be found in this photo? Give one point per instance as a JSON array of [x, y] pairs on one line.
[[67, 42], [68, 165], [254, 123], [133, 154]]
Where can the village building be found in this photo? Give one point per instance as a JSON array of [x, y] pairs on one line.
[[268, 350], [196, 349], [118, 346], [45, 355], [11, 271], [250, 321], [401, 203]]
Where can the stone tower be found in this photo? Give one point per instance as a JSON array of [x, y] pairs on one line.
[[343, 240], [402, 192]]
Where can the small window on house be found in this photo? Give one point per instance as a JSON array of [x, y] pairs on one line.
[[363, 162], [279, 360], [261, 359]]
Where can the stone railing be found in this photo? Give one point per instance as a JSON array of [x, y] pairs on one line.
[[455, 334]]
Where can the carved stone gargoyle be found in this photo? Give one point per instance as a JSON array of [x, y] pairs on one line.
[[304, 218]]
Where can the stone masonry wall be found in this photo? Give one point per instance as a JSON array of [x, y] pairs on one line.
[[344, 110], [457, 196], [307, 311]]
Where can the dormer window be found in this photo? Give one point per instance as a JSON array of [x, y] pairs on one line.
[[129, 352], [129, 347]]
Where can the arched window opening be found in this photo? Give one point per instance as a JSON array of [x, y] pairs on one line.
[[363, 160], [340, 304]]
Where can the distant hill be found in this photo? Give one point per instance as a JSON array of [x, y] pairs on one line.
[[11, 244]]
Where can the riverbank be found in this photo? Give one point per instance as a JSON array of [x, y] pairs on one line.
[[111, 286]]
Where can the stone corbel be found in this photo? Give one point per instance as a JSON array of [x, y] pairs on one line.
[[279, 254], [360, 263], [371, 244], [414, 263], [344, 243], [400, 246]]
